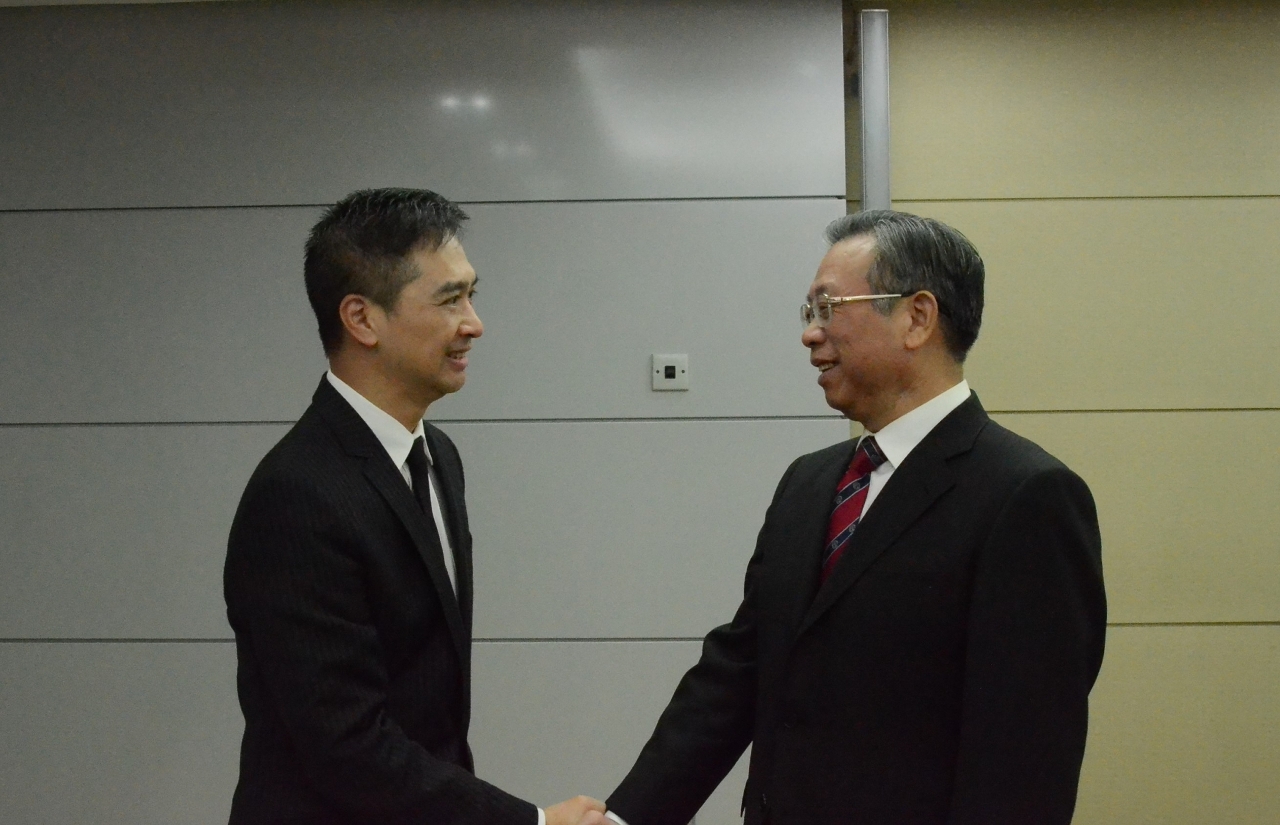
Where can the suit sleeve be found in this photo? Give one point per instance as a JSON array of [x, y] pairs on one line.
[[295, 594], [1037, 623], [708, 722]]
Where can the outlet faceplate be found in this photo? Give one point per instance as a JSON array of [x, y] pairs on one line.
[[670, 372]]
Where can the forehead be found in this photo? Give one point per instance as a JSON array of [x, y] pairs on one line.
[[845, 266], [446, 265]]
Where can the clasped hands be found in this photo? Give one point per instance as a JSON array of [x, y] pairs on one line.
[[581, 810]]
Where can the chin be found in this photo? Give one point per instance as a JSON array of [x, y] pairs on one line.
[[836, 403], [450, 387], [844, 408]]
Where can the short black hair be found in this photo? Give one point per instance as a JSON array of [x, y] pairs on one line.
[[914, 253], [361, 247]]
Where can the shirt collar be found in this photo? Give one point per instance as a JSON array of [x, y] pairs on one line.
[[395, 439], [900, 436]]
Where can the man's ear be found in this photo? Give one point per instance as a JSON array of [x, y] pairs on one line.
[[360, 318], [922, 312]]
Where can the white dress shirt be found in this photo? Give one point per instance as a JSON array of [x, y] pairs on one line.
[[398, 441], [896, 440], [899, 437]]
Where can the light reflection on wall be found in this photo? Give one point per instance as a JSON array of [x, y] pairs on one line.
[[702, 109], [466, 103]]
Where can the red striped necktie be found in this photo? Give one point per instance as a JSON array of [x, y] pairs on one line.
[[851, 496]]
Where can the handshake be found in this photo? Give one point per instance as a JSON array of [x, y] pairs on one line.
[[581, 810]]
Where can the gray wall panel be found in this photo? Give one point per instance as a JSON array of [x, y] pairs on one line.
[[620, 529], [178, 315], [554, 719], [137, 733], [694, 153], [582, 529], [269, 103], [115, 532], [576, 297], [200, 315]]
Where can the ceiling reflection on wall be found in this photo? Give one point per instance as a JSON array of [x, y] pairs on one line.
[[699, 108]]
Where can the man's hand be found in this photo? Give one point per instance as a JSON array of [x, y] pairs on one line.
[[595, 818], [571, 811]]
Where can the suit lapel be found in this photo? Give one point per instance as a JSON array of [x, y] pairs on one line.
[[913, 487], [387, 479], [359, 441], [811, 514]]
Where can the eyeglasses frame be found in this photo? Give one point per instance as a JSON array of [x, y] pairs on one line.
[[815, 315]]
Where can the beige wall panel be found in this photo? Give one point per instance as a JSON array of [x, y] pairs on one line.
[[1187, 506], [1125, 304], [1184, 729], [1051, 99]]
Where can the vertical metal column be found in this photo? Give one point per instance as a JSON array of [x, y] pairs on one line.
[[874, 94]]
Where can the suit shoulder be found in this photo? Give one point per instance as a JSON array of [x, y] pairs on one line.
[[432, 428], [811, 464], [828, 454], [439, 436], [304, 459], [1002, 452]]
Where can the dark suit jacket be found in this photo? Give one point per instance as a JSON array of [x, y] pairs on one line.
[[941, 675], [354, 656]]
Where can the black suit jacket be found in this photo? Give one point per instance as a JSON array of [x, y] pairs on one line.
[[941, 675], [354, 655]]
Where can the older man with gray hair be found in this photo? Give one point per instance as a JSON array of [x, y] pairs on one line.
[[923, 617]]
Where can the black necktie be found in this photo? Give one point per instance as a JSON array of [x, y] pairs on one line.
[[419, 471]]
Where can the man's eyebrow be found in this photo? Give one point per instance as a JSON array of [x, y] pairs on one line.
[[455, 287]]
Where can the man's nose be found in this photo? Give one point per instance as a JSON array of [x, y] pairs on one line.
[[471, 324]]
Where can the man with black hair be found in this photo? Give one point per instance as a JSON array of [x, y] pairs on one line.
[[924, 614], [348, 575]]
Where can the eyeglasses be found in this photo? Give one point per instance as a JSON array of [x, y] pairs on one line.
[[819, 308]]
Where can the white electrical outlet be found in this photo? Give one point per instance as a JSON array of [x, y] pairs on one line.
[[670, 372]]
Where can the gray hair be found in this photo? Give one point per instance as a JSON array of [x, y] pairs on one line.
[[914, 254]]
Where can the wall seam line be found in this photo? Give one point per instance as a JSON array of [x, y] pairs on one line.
[[213, 207], [14, 425], [543, 639], [273, 423], [1070, 198]]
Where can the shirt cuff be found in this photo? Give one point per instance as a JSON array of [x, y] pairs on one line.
[[542, 817], [613, 816]]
